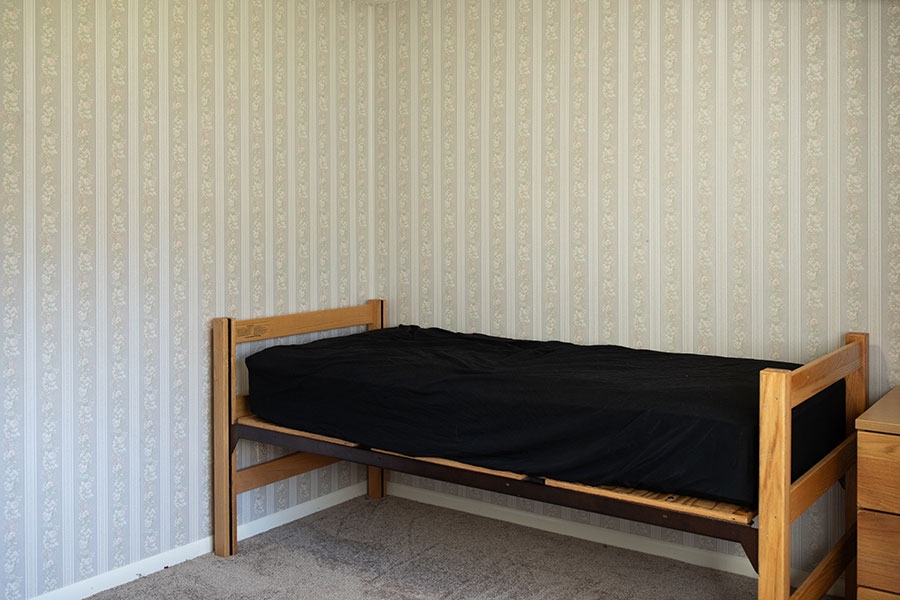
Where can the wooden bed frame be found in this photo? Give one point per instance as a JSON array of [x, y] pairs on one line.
[[781, 501]]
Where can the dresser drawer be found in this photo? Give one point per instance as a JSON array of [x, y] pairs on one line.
[[864, 593], [878, 544], [879, 471]]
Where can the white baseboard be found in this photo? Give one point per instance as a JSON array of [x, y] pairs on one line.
[[694, 556], [135, 570], [299, 511]]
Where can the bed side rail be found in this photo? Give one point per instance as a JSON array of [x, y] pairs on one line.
[[780, 501]]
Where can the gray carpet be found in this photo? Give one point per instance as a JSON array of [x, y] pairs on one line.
[[398, 549]]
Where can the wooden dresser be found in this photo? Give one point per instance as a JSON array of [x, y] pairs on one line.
[[879, 500]]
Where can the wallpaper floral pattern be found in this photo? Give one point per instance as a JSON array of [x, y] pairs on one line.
[[690, 175]]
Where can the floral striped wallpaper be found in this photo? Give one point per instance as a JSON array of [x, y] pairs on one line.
[[705, 176]]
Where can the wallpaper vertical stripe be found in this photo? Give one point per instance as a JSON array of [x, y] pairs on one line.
[[13, 292], [686, 124], [874, 198], [689, 175], [616, 136], [891, 186], [774, 184], [24, 574]]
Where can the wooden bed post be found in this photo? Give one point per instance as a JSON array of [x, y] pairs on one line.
[[857, 401], [223, 398], [774, 484], [375, 474]]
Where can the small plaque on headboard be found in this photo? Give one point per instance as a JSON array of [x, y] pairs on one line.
[[252, 331]]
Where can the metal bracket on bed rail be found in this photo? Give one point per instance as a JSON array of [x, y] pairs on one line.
[[233, 438], [532, 488]]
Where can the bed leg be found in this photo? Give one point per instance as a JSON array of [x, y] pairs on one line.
[[376, 483], [856, 402], [774, 485], [224, 501], [224, 508], [850, 520]]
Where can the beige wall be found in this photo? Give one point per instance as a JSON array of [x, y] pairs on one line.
[[702, 176]]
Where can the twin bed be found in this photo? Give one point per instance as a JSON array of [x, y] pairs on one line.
[[589, 427]]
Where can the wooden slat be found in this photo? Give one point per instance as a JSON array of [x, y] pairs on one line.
[[815, 482], [827, 572], [817, 375], [272, 327], [254, 421], [278, 469], [774, 485], [223, 468], [884, 415], [870, 594], [456, 464], [672, 502]]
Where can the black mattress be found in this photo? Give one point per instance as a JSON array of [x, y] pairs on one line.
[[601, 415]]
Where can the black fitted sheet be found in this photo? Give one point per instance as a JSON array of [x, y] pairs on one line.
[[600, 415]]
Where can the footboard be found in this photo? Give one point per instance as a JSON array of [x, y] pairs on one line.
[[781, 502]]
